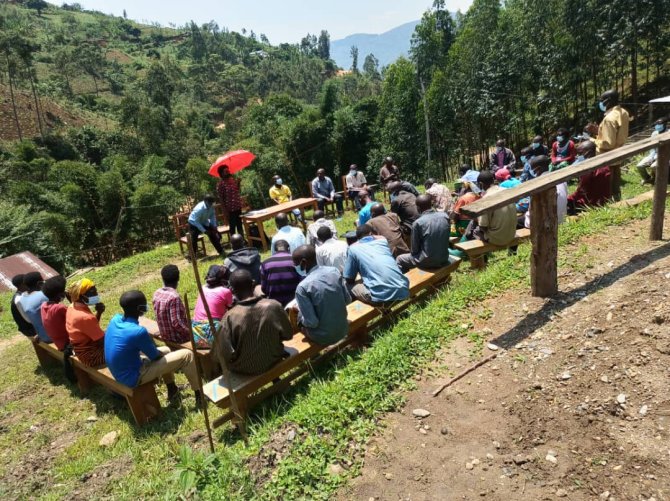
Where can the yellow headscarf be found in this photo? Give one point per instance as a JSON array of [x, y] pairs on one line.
[[78, 289]]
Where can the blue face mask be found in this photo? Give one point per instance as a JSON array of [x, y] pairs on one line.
[[535, 145], [586, 135], [580, 158], [300, 271], [523, 158], [560, 139], [93, 300], [279, 182], [659, 127], [602, 106], [353, 172]]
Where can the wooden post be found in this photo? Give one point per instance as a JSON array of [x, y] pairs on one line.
[[660, 193], [544, 237]]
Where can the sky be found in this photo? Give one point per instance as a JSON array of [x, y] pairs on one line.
[[281, 20]]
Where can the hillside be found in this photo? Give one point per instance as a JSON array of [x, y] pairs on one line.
[[387, 47]]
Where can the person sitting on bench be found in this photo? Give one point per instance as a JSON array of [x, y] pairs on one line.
[[440, 195], [460, 221], [321, 299], [278, 276], [251, 334], [595, 187], [403, 203], [502, 157], [219, 300], [281, 194], [364, 213], [371, 257], [169, 309], [53, 311], [497, 227], [242, 257], [389, 172], [430, 238], [323, 190], [319, 221], [387, 225], [286, 232], [650, 162], [203, 220], [31, 304], [356, 183], [133, 358], [22, 323], [563, 150], [332, 252], [540, 166], [83, 327]]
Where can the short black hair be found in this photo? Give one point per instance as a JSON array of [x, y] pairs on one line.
[[170, 274], [130, 300], [363, 231], [486, 177], [281, 220], [282, 244], [324, 233], [31, 279], [209, 198], [17, 280], [54, 287]]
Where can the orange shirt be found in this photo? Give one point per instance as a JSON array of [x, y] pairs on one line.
[[82, 326], [466, 199]]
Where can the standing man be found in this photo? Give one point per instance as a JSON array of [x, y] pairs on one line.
[[323, 190], [356, 183], [169, 309], [321, 298], [502, 157], [389, 172], [229, 195], [203, 220], [280, 194], [612, 133], [439, 194], [430, 239], [319, 221], [387, 225], [286, 232]]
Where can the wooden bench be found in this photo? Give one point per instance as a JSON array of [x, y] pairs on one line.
[[251, 390], [475, 249], [142, 400]]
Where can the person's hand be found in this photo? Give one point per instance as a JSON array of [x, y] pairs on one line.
[[295, 308], [100, 308], [592, 129], [330, 200]]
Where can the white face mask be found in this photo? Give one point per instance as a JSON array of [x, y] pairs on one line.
[[93, 300], [279, 182]]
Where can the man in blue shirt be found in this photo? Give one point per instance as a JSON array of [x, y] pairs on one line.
[[132, 356], [322, 299], [371, 258], [364, 214], [323, 190], [290, 234], [203, 220], [31, 304]]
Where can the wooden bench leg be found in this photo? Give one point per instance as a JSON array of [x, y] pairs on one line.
[[44, 358], [144, 403], [84, 381], [478, 263]]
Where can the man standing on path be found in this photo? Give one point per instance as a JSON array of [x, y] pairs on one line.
[[612, 134], [229, 195], [203, 220]]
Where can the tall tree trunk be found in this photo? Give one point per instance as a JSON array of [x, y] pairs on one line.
[[11, 92], [37, 104]]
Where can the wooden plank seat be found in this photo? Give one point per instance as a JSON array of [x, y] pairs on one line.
[[477, 248], [251, 390], [142, 400]]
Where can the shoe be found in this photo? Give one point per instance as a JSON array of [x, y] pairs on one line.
[[174, 396]]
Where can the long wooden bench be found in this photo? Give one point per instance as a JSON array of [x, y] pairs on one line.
[[475, 249], [251, 390], [142, 400]]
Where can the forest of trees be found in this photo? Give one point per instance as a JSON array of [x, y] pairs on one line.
[[159, 104]]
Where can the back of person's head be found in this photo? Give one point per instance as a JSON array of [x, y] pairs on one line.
[[364, 230], [540, 163], [237, 241], [241, 283], [17, 281], [429, 182], [215, 276], [586, 148], [282, 246], [281, 220], [424, 202], [394, 187], [526, 152], [485, 178], [377, 209], [538, 139], [463, 170], [209, 199], [318, 214], [170, 274], [324, 233], [32, 280], [134, 303], [54, 288], [364, 195], [306, 254]]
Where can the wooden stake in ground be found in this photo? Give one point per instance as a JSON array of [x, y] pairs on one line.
[[544, 237], [238, 418], [464, 373], [660, 192], [203, 398]]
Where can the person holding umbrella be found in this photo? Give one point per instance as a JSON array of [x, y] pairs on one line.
[[229, 195]]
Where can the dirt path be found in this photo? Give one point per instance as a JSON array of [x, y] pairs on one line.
[[576, 406]]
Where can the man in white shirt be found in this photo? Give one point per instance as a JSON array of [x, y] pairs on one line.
[[331, 252], [356, 183], [285, 231], [319, 221]]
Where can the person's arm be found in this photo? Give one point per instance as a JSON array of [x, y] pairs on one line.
[[345, 291], [315, 190], [194, 218], [289, 193], [510, 161], [350, 269], [274, 196], [222, 345], [307, 315], [606, 139], [285, 327], [264, 280], [212, 217], [416, 241], [572, 153], [178, 320], [146, 345], [91, 326], [364, 180], [332, 190], [554, 153]]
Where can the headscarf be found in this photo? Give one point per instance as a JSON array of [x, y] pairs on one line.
[[78, 289]]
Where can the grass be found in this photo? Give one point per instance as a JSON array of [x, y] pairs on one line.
[[334, 411]]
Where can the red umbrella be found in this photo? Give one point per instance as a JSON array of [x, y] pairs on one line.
[[235, 160]]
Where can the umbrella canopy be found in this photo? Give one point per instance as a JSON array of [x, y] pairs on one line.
[[235, 160]]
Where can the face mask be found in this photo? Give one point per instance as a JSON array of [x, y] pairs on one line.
[[93, 300], [560, 139], [523, 158], [659, 127], [499, 148], [143, 308], [586, 135], [602, 106], [580, 158], [536, 145], [353, 172], [300, 271], [279, 182]]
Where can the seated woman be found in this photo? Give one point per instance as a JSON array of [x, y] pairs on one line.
[[82, 326], [594, 188], [219, 300], [562, 151]]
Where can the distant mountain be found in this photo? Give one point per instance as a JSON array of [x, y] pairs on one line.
[[386, 47]]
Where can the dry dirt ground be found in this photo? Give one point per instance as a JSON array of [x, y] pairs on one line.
[[575, 406]]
